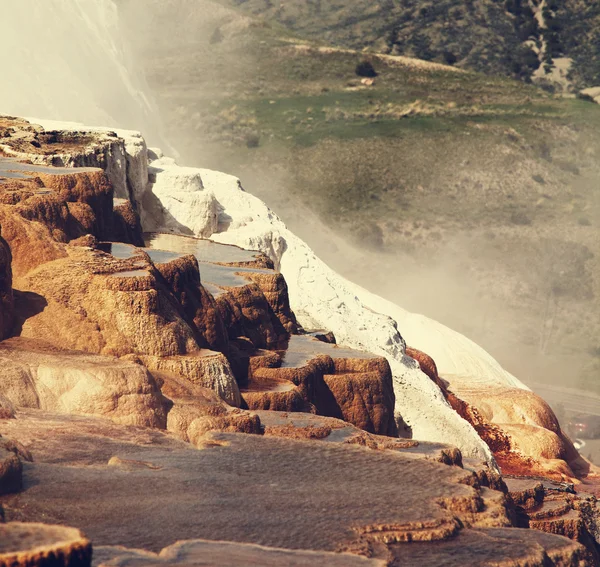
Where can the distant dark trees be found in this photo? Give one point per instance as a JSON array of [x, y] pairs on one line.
[[365, 69]]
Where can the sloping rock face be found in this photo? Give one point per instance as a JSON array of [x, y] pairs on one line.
[[518, 426], [530, 428]]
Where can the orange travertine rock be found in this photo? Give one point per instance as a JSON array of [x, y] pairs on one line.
[[100, 304], [545, 506], [126, 223], [252, 299], [247, 313], [526, 439], [31, 243], [39, 217], [274, 288], [197, 410], [427, 365], [310, 375], [528, 426], [519, 427], [198, 307], [35, 374], [203, 368], [43, 545]]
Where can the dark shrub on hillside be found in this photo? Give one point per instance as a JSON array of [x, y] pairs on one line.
[[252, 140], [520, 218], [365, 69], [450, 58]]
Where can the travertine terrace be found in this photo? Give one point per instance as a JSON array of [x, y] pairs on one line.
[[160, 386]]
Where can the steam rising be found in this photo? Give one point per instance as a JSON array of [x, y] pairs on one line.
[[514, 290], [63, 63]]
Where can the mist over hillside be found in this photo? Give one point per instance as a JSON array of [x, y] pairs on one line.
[[473, 199], [89, 65]]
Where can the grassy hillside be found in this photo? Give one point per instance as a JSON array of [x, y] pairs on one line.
[[472, 198]]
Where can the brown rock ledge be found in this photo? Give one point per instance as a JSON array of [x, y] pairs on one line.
[[42, 545]]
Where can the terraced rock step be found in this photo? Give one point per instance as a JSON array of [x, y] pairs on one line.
[[331, 430], [41, 545], [311, 375], [555, 508], [321, 497], [203, 249]]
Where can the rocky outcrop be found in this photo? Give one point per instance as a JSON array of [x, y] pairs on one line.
[[524, 429], [100, 304], [592, 94], [203, 368], [247, 313], [31, 243], [556, 509], [197, 410], [121, 154], [42, 545], [198, 307], [126, 223], [518, 426], [310, 375], [33, 374]]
